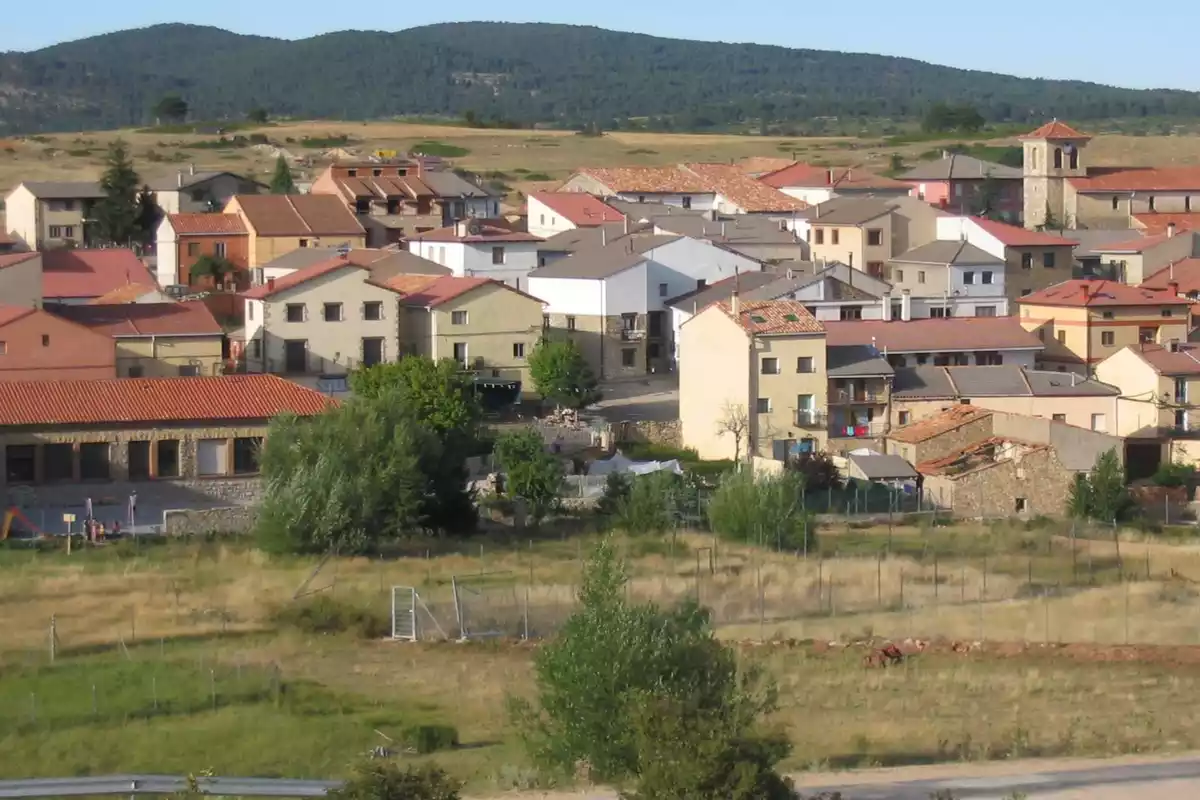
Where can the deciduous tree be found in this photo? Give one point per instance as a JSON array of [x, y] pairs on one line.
[[560, 373], [530, 472], [171, 108]]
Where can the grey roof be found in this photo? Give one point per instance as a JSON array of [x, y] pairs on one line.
[[448, 184], [948, 251], [722, 290], [193, 179], [1092, 241], [855, 361], [302, 257], [851, 211], [402, 262], [836, 290], [959, 167], [882, 467], [1005, 380], [652, 211], [601, 262], [586, 238], [731, 230], [64, 190]]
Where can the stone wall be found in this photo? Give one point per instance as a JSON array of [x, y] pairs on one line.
[[668, 432], [1038, 477], [191, 522], [151, 494], [942, 444]]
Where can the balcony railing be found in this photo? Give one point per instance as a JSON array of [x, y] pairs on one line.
[[846, 430], [631, 335], [846, 396], [811, 418]]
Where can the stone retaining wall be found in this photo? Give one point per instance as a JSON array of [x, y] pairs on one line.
[[192, 522]]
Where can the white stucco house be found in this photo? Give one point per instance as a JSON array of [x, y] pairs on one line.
[[476, 249]]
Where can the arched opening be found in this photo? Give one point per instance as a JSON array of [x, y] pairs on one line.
[[1074, 158], [1033, 158], [1058, 158]]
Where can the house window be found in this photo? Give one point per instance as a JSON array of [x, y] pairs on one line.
[[763, 405], [1048, 259], [245, 454], [460, 353], [353, 173], [898, 275], [304, 242], [545, 321], [458, 318], [570, 323], [518, 349], [1058, 158], [137, 371], [1026, 260], [497, 255], [985, 277], [687, 201], [1098, 423], [250, 311], [805, 364], [1019, 505], [332, 312], [93, 461], [770, 366], [940, 312], [641, 198], [1062, 337], [628, 322], [701, 283], [219, 249], [45, 340], [1106, 314], [968, 278], [818, 236], [193, 248], [875, 269], [166, 452], [628, 357], [835, 236], [56, 232], [256, 348], [1166, 312], [373, 311], [1116, 203], [58, 462], [1147, 335], [874, 237], [1107, 338], [904, 417], [1058, 417], [541, 219], [189, 370], [985, 311], [1150, 202], [850, 312], [988, 358], [20, 462], [921, 276], [295, 312], [662, 290]]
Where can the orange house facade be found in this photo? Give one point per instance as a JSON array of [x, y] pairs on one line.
[[184, 239], [36, 345]]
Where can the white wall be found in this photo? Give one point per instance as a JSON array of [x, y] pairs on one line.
[[699, 202], [520, 258], [167, 264], [573, 296], [965, 228], [957, 277], [451, 255], [627, 292], [809, 194], [20, 215], [544, 221]]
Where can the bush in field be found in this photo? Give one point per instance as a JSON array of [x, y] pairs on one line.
[[766, 510], [650, 504], [530, 472], [385, 780]]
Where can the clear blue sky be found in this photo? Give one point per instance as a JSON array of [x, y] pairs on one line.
[[1100, 40]]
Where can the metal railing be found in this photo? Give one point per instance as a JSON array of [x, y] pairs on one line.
[[811, 418], [848, 430], [631, 335], [847, 396]]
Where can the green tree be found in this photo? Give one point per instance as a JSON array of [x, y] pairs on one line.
[[171, 108], [530, 472], [281, 180], [895, 164], [212, 266], [1050, 222], [118, 213], [1079, 497], [387, 781], [258, 115], [766, 510], [149, 215], [1109, 494], [561, 374], [615, 658], [650, 505]]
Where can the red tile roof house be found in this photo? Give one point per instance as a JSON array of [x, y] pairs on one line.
[[21, 279], [475, 248], [967, 185], [1134, 260], [176, 442], [723, 188], [77, 276], [813, 184], [953, 341], [549, 213], [183, 239], [36, 345], [1033, 260]]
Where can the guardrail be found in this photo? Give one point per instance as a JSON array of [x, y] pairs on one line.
[[164, 785]]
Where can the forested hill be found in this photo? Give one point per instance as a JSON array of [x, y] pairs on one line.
[[521, 72]]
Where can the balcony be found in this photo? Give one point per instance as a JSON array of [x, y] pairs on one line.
[[847, 397], [811, 418], [868, 430], [631, 335]]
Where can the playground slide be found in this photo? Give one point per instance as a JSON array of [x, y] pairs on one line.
[[16, 514]]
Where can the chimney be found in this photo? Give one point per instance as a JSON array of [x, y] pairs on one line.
[[625, 219], [887, 307], [603, 236], [191, 169], [1083, 288], [460, 228], [1073, 377], [906, 305], [829, 177], [1170, 229], [179, 179], [1173, 345], [270, 284], [1173, 288], [722, 230], [818, 208]]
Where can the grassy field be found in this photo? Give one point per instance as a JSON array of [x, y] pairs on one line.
[[522, 159], [187, 640]]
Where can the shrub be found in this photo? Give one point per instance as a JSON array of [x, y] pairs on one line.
[[431, 738], [650, 505], [325, 615], [1172, 475], [387, 781], [763, 510]]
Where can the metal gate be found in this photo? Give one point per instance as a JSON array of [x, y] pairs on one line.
[[404, 613]]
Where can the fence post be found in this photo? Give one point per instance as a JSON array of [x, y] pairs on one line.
[[879, 581], [901, 589], [1125, 583], [33, 707], [53, 637], [935, 579], [212, 684], [95, 705], [154, 691], [820, 583], [525, 637]]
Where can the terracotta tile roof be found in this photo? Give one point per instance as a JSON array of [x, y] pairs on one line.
[[1139, 245], [13, 313], [1055, 130], [1090, 293], [7, 238], [192, 318], [1184, 273], [956, 334], [426, 292], [1184, 361], [274, 286], [580, 208], [1138, 179], [649, 180], [975, 457], [1016, 236], [224, 398], [298, 215], [129, 293], [1154, 224], [477, 232], [206, 224], [925, 429], [774, 317], [810, 175], [91, 273], [750, 195], [12, 259]]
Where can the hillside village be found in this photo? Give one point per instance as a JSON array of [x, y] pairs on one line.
[[964, 329]]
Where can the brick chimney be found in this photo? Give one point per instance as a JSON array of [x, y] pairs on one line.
[[1083, 288], [270, 284], [1173, 288]]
